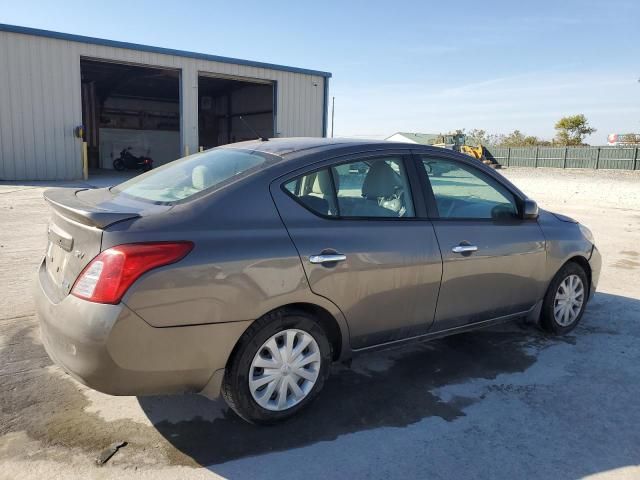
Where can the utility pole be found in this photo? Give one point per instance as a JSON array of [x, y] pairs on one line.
[[333, 111]]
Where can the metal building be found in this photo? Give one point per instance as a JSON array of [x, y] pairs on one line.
[[160, 102]]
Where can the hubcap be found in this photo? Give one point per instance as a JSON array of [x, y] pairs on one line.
[[568, 301], [284, 370]]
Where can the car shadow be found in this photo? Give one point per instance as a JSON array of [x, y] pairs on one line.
[[383, 389], [392, 388]]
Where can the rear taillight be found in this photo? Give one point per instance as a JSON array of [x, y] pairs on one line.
[[108, 276]]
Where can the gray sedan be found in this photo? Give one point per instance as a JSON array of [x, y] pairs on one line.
[[248, 269]]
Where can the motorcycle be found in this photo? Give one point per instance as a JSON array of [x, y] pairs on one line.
[[128, 161]]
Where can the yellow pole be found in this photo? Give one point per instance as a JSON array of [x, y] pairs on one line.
[[85, 161], [186, 150], [201, 148]]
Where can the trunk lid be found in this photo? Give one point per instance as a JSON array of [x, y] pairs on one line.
[[74, 232]]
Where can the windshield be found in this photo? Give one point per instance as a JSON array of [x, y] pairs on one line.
[[188, 176]]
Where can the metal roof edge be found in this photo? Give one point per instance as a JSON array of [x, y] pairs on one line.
[[148, 48]]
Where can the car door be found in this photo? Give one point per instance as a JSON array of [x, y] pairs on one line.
[[365, 244], [493, 260]]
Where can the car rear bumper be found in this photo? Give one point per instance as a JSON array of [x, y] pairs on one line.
[[595, 262], [111, 349]]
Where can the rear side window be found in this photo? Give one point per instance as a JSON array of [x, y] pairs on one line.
[[188, 176], [315, 191], [376, 188]]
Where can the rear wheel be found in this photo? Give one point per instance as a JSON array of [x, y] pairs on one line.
[[566, 299], [278, 368]]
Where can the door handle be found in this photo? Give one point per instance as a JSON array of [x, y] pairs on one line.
[[464, 249], [327, 258]]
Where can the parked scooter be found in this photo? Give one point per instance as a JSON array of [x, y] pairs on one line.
[[128, 161]]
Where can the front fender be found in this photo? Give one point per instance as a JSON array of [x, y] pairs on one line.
[[564, 241]]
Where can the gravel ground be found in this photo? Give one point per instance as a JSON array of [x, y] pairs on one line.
[[506, 402]]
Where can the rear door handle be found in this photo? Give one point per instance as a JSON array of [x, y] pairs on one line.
[[464, 249], [327, 258]]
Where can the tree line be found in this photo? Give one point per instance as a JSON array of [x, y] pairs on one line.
[[570, 131]]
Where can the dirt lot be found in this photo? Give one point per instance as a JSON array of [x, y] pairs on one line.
[[508, 402]]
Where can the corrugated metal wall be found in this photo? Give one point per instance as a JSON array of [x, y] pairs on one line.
[[616, 158], [40, 101]]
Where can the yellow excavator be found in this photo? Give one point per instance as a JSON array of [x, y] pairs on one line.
[[458, 141]]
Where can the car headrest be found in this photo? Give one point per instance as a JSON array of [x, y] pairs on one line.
[[381, 181], [201, 177], [322, 183]]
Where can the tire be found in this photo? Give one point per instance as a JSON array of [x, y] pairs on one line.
[[561, 323], [118, 164], [241, 367]]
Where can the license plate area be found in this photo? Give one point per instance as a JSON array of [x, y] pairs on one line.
[[59, 237], [55, 262], [70, 247]]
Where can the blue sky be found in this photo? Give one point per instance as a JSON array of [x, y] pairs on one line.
[[405, 66]]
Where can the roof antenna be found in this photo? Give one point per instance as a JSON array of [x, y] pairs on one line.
[[261, 138]]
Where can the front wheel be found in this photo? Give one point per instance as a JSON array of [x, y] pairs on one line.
[[118, 164], [278, 368], [566, 299]]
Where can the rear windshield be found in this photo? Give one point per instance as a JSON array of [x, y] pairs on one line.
[[188, 176]]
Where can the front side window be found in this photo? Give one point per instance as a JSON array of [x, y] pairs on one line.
[[463, 192], [188, 176], [376, 188]]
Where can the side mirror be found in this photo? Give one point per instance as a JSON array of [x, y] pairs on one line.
[[530, 209]]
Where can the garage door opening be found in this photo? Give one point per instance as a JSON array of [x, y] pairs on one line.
[[221, 103], [126, 106]]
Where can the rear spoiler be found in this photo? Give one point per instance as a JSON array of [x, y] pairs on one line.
[[66, 202]]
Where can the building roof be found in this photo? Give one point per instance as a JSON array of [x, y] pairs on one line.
[[421, 138], [148, 48]]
